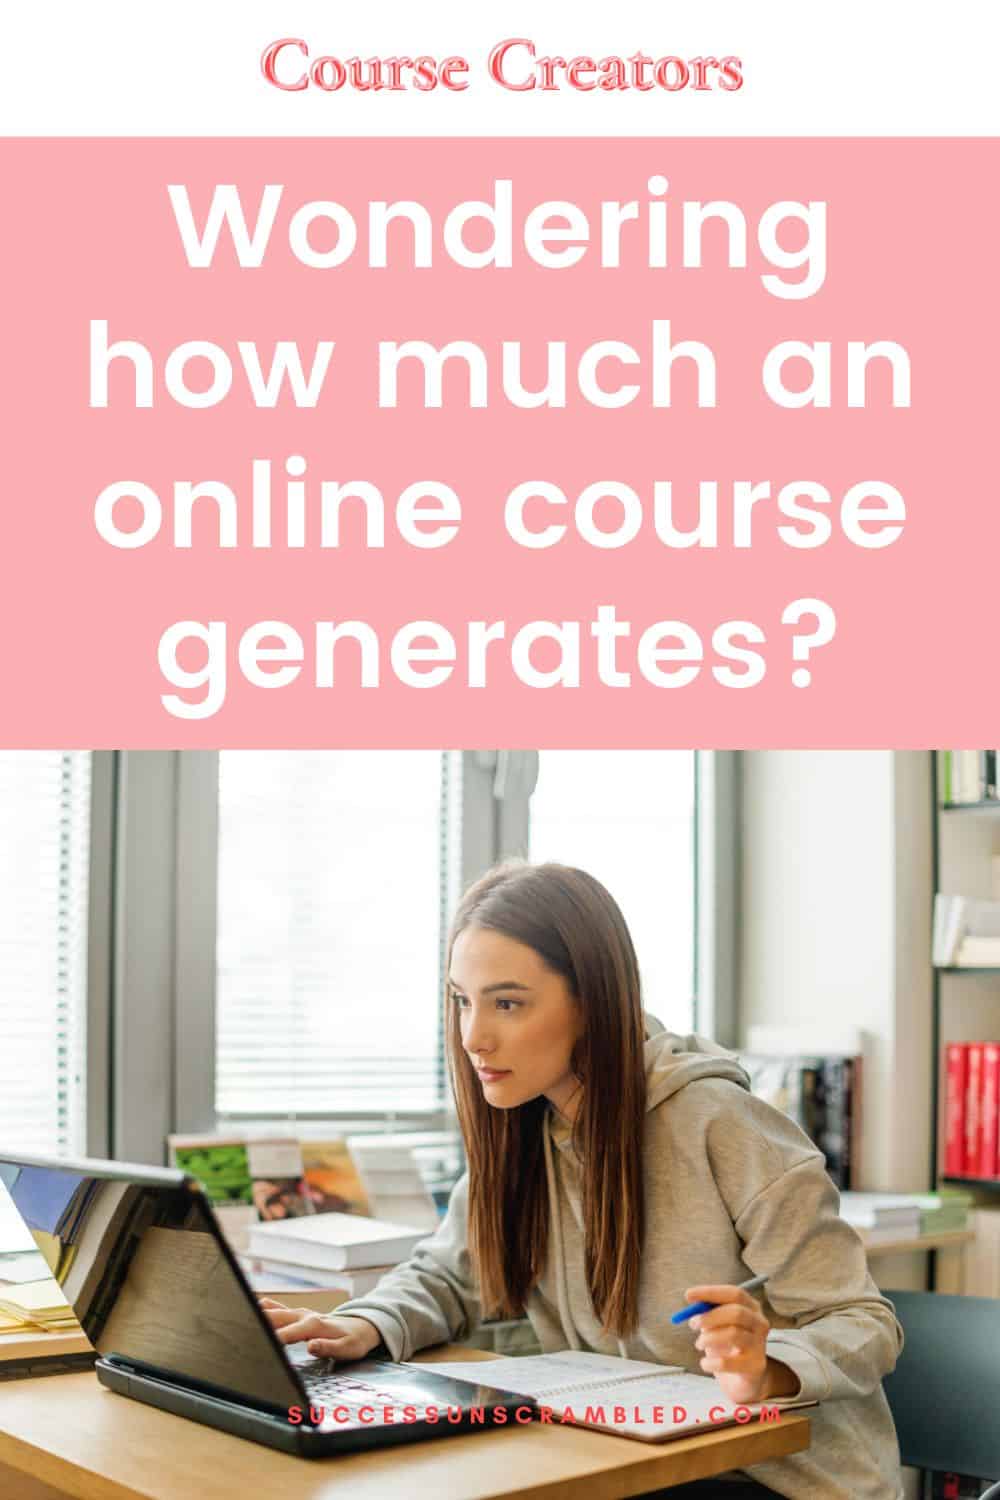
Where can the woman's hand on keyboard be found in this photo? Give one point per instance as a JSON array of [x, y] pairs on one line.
[[326, 1337]]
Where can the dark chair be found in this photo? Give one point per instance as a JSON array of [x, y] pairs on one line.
[[945, 1390]]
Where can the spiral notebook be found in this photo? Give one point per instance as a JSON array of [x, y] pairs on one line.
[[629, 1397]]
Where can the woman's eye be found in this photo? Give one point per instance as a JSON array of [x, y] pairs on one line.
[[460, 1000], [508, 1004]]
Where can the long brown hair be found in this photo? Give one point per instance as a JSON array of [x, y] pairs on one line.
[[577, 929]]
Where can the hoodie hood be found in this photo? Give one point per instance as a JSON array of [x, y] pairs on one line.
[[672, 1062]]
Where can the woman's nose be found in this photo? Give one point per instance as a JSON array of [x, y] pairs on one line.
[[476, 1037]]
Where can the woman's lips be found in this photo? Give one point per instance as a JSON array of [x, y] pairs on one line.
[[489, 1075]]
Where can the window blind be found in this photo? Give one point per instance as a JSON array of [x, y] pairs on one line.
[[44, 861], [337, 875]]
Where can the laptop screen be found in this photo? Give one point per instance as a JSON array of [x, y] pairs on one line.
[[139, 1258]]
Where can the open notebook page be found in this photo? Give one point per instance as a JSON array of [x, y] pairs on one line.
[[629, 1397], [545, 1375]]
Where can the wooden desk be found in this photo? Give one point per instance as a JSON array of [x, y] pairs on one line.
[[66, 1435]]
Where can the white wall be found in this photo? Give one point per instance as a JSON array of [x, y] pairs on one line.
[[835, 926]]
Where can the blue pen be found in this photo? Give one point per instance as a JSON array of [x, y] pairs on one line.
[[704, 1307]]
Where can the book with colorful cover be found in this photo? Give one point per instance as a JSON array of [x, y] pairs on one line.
[[332, 1179], [219, 1163], [279, 1188], [956, 1083], [262, 1172]]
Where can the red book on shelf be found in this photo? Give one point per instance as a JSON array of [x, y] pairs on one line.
[[990, 1109], [973, 1108], [956, 1079]]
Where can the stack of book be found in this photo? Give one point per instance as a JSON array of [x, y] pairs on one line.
[[972, 1109], [882, 1216], [36, 1306], [249, 1178], [342, 1251], [966, 932], [966, 776], [822, 1094]]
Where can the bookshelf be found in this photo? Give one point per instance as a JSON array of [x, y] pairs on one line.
[[965, 999]]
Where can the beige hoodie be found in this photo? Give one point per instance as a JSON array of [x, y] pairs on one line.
[[734, 1189]]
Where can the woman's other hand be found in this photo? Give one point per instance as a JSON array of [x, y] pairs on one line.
[[325, 1337]]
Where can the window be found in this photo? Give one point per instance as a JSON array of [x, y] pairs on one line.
[[287, 962], [45, 815], [629, 818], [336, 874]]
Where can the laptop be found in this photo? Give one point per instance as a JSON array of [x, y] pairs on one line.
[[140, 1257]]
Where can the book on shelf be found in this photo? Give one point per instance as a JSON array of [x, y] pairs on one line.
[[986, 1156], [966, 932], [956, 1083], [973, 1106], [822, 1094], [967, 776], [838, 1134], [977, 953], [945, 1211], [899, 1212], [629, 1397], [336, 1242], [972, 1109]]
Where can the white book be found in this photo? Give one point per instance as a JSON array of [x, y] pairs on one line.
[[882, 1203], [654, 1402], [335, 1241], [949, 924], [968, 780], [265, 1276], [860, 1218], [355, 1283], [883, 1236], [959, 920], [977, 952], [982, 919]]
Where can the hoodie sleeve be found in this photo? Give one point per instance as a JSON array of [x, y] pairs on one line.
[[843, 1334], [432, 1297]]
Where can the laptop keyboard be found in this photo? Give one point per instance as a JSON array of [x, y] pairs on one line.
[[328, 1387], [325, 1385]]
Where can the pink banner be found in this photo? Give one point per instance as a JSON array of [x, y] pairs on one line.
[[718, 476]]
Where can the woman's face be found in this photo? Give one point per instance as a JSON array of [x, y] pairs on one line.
[[518, 1020]]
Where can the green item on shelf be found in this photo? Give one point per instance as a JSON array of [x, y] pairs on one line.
[[223, 1171], [944, 1211]]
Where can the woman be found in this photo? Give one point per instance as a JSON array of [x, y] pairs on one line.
[[611, 1177]]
